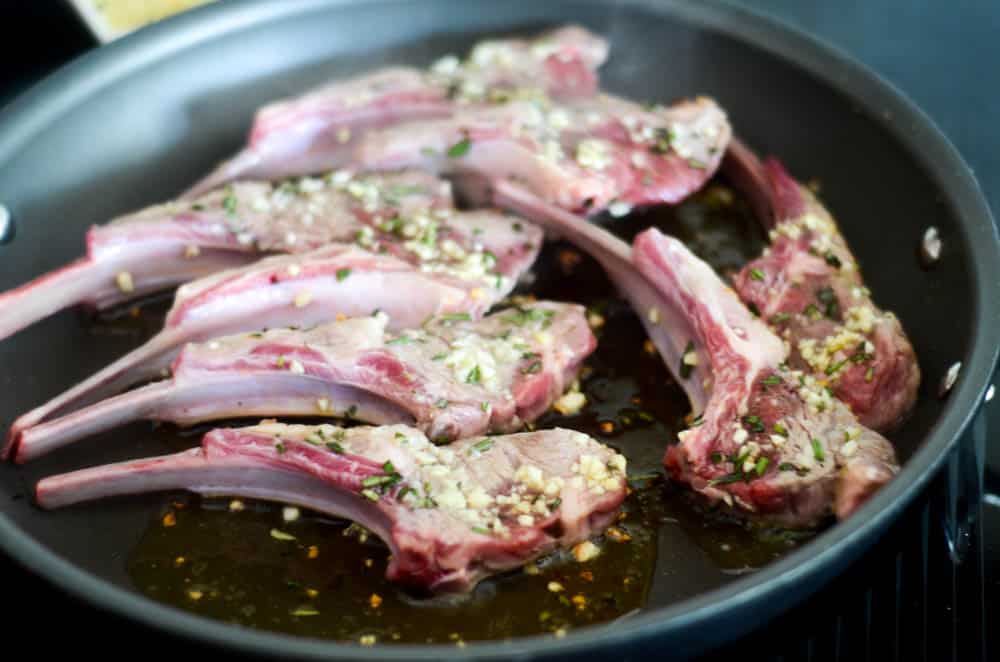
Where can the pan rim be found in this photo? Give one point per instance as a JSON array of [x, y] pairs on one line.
[[826, 554]]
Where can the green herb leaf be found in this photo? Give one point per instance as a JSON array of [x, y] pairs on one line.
[[229, 201], [460, 149], [832, 260], [761, 466], [778, 318], [771, 380], [818, 450], [335, 447], [756, 274], [474, 376], [834, 367], [343, 273], [481, 446], [754, 423], [279, 447], [533, 367], [828, 298]]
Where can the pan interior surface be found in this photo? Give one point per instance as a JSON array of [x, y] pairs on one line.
[[139, 121]]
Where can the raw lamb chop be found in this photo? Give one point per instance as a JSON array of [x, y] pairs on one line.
[[304, 290], [582, 157], [452, 377], [317, 131], [772, 441], [451, 515], [165, 245], [808, 288], [732, 369]]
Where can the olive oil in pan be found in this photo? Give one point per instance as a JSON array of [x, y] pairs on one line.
[[317, 577]]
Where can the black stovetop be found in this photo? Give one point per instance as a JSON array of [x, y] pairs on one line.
[[915, 604]]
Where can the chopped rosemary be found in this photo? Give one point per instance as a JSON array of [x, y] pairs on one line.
[[818, 450], [754, 423], [229, 201], [761, 466], [459, 149], [533, 368], [481, 446], [778, 318]]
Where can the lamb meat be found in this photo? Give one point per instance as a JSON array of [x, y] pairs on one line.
[[451, 515], [164, 245], [808, 287], [583, 156], [308, 289], [732, 368], [772, 441], [453, 377], [669, 330], [317, 131]]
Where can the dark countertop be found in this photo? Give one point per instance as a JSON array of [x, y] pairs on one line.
[[942, 55]]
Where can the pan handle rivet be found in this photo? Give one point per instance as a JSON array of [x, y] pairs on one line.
[[6, 225]]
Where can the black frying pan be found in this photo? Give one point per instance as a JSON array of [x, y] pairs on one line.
[[140, 120]]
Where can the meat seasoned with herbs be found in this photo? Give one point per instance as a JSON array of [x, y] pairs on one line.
[[318, 130], [583, 157], [453, 377], [408, 213], [340, 280], [808, 288], [772, 441], [452, 515]]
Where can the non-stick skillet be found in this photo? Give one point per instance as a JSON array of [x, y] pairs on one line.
[[140, 120]]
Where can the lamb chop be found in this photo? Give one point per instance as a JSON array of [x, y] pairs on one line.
[[316, 131], [668, 329], [452, 377], [308, 289], [451, 515], [808, 287], [582, 156], [801, 453], [164, 245], [772, 440]]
